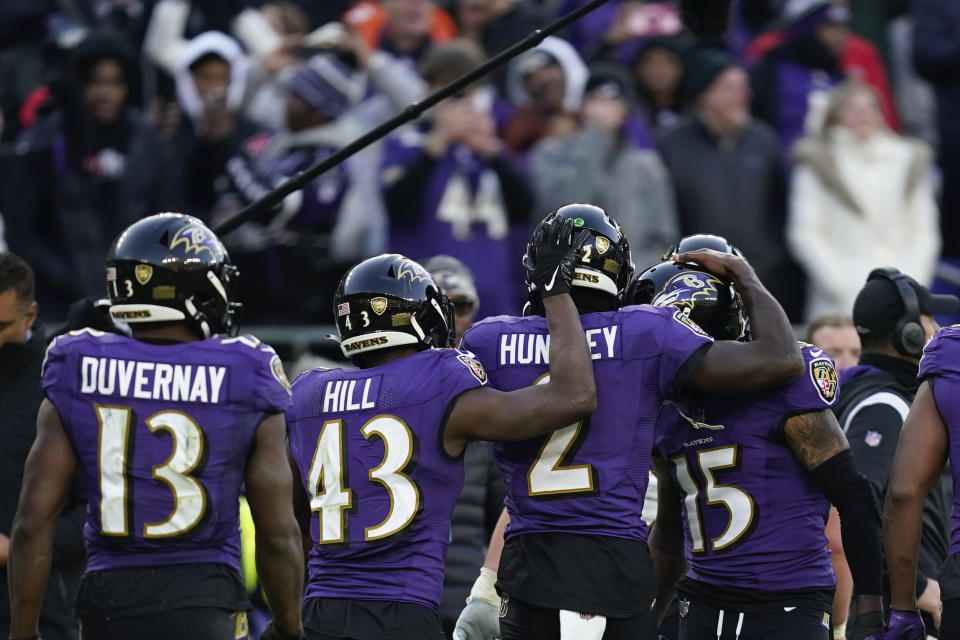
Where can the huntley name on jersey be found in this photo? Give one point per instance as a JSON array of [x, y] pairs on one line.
[[534, 348]]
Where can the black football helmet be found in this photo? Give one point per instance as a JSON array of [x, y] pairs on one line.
[[170, 267], [604, 263], [711, 303], [701, 241], [389, 301]]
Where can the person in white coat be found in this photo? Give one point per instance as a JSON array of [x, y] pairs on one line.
[[861, 197]]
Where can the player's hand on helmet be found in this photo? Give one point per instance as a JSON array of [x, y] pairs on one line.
[[480, 619], [725, 266], [556, 245], [904, 625], [869, 626], [271, 632]]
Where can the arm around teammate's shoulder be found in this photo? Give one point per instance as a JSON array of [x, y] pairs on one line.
[[771, 358], [269, 483], [567, 395]]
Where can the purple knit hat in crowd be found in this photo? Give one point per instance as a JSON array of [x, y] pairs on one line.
[[326, 85]]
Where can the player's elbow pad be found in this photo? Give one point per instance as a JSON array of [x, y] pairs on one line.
[[851, 493]]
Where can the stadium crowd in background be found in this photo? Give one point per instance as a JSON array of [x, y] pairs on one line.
[[799, 124]]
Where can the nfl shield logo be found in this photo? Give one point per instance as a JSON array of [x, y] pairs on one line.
[[684, 606], [873, 438], [343, 309]]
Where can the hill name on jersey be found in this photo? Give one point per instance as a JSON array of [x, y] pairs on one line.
[[151, 380], [340, 396], [534, 348]]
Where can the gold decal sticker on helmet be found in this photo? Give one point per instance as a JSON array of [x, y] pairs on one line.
[[602, 244], [379, 305], [143, 272]]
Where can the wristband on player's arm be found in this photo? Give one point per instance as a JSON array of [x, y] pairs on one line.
[[849, 490]]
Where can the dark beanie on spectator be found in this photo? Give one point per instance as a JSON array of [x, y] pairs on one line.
[[612, 81], [325, 84], [701, 68]]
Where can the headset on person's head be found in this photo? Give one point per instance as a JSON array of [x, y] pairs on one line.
[[909, 336]]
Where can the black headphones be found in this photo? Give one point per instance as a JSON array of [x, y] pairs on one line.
[[909, 336]]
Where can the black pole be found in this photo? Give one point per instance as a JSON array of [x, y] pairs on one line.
[[411, 112]]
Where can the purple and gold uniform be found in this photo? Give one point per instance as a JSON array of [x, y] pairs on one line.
[[162, 433], [940, 367], [585, 483], [753, 519], [369, 447]]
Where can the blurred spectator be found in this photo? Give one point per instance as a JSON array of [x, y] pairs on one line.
[[658, 73], [481, 500], [727, 171], [82, 173], [449, 187], [916, 102], [546, 86], [857, 57], [268, 71], [22, 347], [211, 80], [800, 71], [291, 260], [23, 30], [871, 20], [936, 55], [404, 28], [836, 335], [599, 164], [862, 196], [457, 282], [497, 24]]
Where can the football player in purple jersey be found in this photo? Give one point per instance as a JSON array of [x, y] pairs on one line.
[[929, 438], [165, 426], [379, 450], [745, 482], [574, 563]]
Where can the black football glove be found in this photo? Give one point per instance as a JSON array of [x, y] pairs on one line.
[[270, 632], [556, 245]]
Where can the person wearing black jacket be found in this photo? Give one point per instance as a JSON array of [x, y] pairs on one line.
[[22, 346], [893, 314]]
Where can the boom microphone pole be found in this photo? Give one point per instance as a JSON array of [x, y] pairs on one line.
[[274, 197]]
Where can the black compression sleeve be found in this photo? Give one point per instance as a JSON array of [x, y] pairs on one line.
[[849, 490]]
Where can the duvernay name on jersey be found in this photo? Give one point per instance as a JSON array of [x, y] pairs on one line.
[[534, 348], [151, 380]]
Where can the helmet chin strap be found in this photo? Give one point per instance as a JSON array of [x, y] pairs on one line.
[[192, 310]]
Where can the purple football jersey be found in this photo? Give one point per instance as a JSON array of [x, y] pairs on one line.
[[589, 477], [941, 365], [369, 447], [162, 433], [752, 517]]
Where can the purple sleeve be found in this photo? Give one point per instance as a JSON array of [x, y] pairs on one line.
[[817, 388], [53, 364], [460, 372], [940, 352], [679, 340], [481, 341], [271, 393]]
